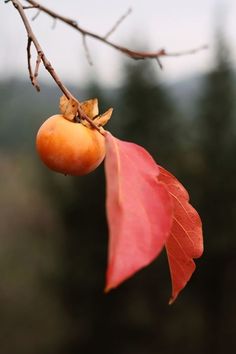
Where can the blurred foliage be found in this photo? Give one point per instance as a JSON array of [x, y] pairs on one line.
[[53, 230], [215, 179]]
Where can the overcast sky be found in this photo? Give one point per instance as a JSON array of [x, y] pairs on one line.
[[175, 25]]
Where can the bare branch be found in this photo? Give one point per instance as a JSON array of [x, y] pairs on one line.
[[137, 55], [186, 52], [36, 71], [52, 13], [33, 77], [36, 15], [54, 23], [159, 63], [29, 7], [120, 20], [42, 57], [86, 49], [29, 60]]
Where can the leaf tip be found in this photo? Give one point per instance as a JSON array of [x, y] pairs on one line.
[[107, 289], [172, 300]]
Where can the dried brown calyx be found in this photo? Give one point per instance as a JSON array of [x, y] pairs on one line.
[[69, 109]]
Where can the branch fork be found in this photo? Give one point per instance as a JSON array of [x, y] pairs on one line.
[[41, 57]]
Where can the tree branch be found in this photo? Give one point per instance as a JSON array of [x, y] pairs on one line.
[[137, 55], [42, 57], [29, 7], [86, 49], [120, 20]]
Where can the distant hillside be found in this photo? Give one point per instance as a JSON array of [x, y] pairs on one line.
[[186, 93], [23, 109]]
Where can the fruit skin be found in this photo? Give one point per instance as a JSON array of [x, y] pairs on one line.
[[68, 147]]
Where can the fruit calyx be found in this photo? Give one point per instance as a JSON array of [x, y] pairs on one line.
[[69, 108]]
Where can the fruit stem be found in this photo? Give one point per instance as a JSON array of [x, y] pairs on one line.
[[84, 116]]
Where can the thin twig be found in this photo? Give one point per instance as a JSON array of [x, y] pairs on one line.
[[29, 64], [52, 13], [186, 52], [54, 23], [36, 15], [29, 58], [120, 20], [159, 63], [30, 7], [137, 55], [36, 72], [33, 77], [42, 57], [86, 49]]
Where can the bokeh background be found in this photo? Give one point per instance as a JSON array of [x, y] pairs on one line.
[[53, 232]]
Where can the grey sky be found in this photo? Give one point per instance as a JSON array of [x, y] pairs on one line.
[[173, 24]]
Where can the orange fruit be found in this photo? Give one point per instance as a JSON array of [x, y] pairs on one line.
[[69, 147]]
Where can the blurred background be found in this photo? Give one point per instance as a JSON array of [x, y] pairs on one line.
[[53, 232]]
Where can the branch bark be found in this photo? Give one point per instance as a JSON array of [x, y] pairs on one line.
[[137, 55], [48, 66], [41, 57]]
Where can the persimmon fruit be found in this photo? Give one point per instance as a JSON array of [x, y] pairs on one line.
[[69, 147]]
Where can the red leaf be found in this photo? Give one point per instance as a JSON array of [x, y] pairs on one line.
[[185, 241], [139, 210]]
